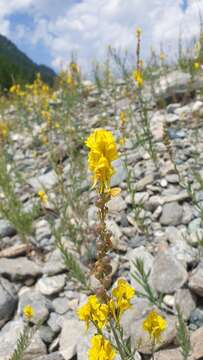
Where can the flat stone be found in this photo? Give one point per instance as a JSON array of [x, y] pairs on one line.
[[133, 255], [45, 181], [116, 204], [171, 354], [46, 334], [8, 339], [120, 175], [8, 301], [196, 280], [147, 180], [172, 214], [54, 264], [186, 301], [41, 305], [19, 269], [73, 332], [197, 344], [51, 285], [6, 229], [167, 275], [53, 356]]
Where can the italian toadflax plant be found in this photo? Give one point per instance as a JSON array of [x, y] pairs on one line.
[[104, 309]]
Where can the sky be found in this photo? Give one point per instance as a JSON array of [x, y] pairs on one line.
[[49, 31]]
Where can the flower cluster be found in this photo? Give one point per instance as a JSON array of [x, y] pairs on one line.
[[122, 294], [101, 349], [154, 324], [102, 152], [93, 311]]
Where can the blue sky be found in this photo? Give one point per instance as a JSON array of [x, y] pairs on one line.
[[48, 31]]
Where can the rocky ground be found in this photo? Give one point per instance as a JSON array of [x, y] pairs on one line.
[[170, 247]]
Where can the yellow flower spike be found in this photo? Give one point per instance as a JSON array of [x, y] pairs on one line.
[[74, 67], [123, 117], [137, 75], [93, 311], [28, 312], [43, 197], [122, 294], [101, 349], [154, 324], [103, 151]]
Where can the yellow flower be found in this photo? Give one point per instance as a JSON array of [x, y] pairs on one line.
[[162, 56], [3, 130], [122, 293], [138, 31], [28, 312], [137, 75], [154, 324], [196, 65], [101, 349], [122, 117], [102, 152], [70, 80], [93, 311], [43, 197], [74, 68]]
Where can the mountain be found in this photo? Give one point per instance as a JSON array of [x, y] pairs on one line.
[[16, 67]]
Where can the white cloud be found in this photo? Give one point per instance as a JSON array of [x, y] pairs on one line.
[[89, 26]]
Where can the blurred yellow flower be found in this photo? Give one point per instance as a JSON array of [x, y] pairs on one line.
[[3, 130], [162, 56], [101, 349], [154, 324], [43, 197], [123, 117], [28, 312], [93, 311], [122, 294], [138, 31], [197, 65], [137, 75]]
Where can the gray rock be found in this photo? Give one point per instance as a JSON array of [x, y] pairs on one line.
[[141, 184], [186, 301], [8, 301], [8, 339], [55, 264], [72, 334], [43, 230], [55, 322], [19, 269], [40, 304], [171, 354], [133, 255], [197, 344], [196, 280], [6, 229], [53, 356], [172, 214], [45, 181], [179, 248], [46, 334], [116, 205], [196, 318], [120, 175], [167, 275], [61, 305], [51, 285]]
